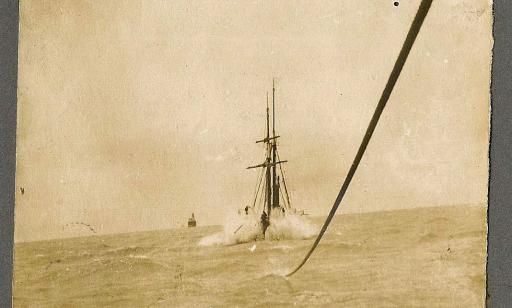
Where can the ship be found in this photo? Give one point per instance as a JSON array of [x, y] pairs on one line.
[[271, 201]]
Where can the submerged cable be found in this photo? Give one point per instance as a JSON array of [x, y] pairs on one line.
[[397, 68]]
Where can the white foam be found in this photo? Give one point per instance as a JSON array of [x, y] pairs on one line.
[[291, 226], [237, 229], [246, 228]]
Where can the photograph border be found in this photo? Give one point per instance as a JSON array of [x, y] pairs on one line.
[[499, 252], [499, 220], [8, 88]]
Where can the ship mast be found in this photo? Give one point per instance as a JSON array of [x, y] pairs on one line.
[[267, 165], [275, 179], [271, 161]]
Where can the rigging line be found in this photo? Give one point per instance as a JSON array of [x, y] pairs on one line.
[[263, 196], [256, 196], [266, 193], [284, 183], [258, 189], [286, 201], [386, 93], [259, 203], [286, 205]]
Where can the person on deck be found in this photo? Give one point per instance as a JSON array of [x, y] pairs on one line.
[[264, 222], [247, 210]]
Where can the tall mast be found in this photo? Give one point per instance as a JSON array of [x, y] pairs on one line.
[[268, 122], [268, 178], [275, 180], [273, 110], [272, 182]]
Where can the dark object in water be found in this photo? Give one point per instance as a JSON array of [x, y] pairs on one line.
[[192, 221]]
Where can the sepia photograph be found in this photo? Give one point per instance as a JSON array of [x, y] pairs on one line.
[[252, 153]]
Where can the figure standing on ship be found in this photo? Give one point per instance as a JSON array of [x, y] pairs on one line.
[[264, 222]]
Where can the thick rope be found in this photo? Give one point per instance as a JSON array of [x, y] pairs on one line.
[[402, 57]]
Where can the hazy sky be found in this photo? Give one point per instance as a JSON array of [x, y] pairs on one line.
[[133, 114]]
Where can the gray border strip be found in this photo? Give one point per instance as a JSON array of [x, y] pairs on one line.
[[8, 81], [499, 268], [499, 258]]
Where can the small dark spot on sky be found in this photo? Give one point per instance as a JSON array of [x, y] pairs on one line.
[[396, 3]]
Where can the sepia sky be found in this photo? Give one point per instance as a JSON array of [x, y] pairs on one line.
[[134, 114]]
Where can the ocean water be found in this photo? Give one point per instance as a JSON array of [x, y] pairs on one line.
[[428, 257]]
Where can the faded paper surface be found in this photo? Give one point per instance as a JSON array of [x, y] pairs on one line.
[[134, 114]]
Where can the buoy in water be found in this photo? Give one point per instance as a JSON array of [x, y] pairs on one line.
[[192, 221]]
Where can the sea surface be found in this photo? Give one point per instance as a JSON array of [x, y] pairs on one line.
[[426, 257]]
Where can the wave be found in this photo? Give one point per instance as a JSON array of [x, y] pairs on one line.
[[239, 229], [291, 226]]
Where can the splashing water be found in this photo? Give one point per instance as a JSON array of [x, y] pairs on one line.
[[291, 226], [246, 228]]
